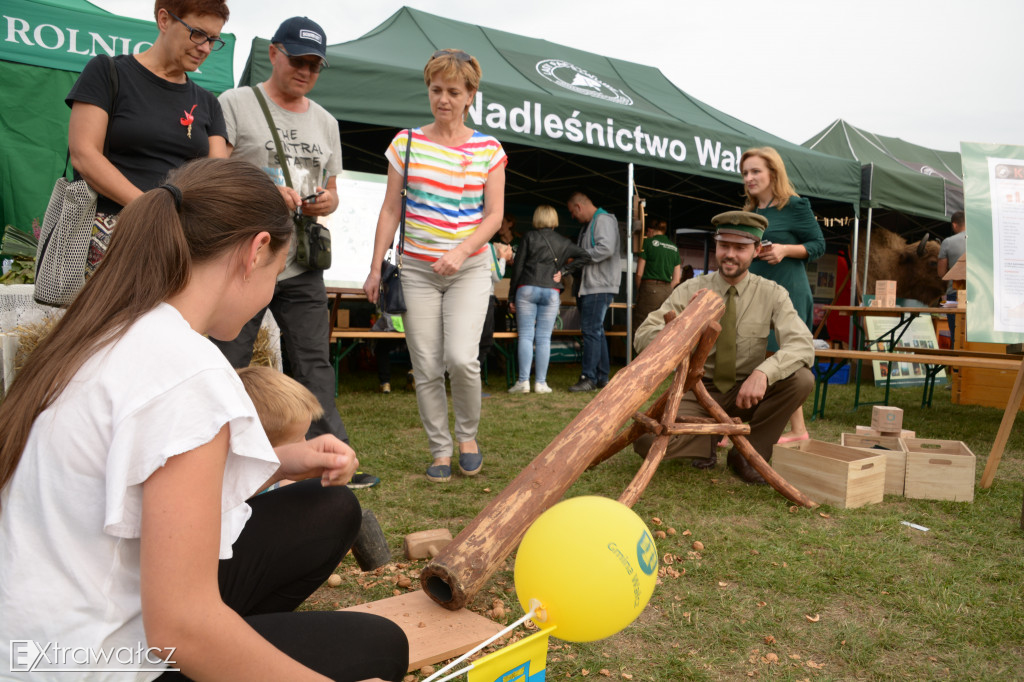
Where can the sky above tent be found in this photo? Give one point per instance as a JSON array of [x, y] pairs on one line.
[[932, 72]]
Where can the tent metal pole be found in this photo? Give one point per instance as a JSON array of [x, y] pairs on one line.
[[629, 267], [867, 251], [853, 278]]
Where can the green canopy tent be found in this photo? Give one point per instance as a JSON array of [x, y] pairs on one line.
[[568, 120], [575, 107], [45, 45], [898, 176], [913, 188]]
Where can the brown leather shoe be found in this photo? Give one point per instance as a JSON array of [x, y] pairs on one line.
[[709, 462], [748, 474]]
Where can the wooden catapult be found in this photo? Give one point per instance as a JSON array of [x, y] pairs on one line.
[[462, 568]]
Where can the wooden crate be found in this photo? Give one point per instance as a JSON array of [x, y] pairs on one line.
[[830, 473], [939, 470], [895, 451]]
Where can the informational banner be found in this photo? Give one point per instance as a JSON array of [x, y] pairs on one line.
[[919, 336], [994, 205]]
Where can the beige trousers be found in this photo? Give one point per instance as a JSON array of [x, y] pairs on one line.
[[443, 323]]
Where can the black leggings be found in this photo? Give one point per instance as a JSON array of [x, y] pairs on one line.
[[293, 541]]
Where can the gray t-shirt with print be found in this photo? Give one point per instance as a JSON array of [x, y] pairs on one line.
[[311, 143]]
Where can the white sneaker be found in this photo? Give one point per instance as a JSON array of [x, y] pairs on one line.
[[541, 387], [520, 387]]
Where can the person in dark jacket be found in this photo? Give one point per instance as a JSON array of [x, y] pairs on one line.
[[544, 256]]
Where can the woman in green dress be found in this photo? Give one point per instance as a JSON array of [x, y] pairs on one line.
[[795, 238]]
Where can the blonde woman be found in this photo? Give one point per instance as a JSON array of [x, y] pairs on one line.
[[795, 240], [456, 200], [536, 288]]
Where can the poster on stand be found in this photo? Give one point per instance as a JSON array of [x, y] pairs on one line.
[[920, 335], [821, 275]]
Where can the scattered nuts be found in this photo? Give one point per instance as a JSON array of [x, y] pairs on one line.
[[671, 531], [814, 619], [655, 520], [660, 534], [334, 580], [698, 546]]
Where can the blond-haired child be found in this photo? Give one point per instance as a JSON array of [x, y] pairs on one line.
[[285, 407]]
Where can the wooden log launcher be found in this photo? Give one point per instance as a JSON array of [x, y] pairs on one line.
[[457, 573]]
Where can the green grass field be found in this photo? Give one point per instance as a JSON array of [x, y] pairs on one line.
[[777, 593]]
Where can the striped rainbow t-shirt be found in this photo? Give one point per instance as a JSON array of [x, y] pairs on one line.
[[446, 189]]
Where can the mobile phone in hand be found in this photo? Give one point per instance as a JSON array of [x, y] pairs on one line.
[[312, 196]]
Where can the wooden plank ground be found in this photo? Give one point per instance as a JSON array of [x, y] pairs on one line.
[[435, 633]]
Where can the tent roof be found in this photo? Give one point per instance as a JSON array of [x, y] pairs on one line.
[[551, 97], [898, 175]]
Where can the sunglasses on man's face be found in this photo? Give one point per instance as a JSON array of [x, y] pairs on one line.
[[199, 36], [314, 63], [458, 54]]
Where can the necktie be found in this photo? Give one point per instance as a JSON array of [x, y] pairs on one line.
[[725, 348]]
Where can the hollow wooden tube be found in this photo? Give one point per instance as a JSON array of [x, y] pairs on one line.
[[461, 569]]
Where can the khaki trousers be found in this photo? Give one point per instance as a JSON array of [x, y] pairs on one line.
[[767, 419]]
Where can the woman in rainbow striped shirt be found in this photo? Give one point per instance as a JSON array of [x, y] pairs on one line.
[[455, 202]]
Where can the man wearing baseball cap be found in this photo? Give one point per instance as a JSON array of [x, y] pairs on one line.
[[761, 391], [311, 147]]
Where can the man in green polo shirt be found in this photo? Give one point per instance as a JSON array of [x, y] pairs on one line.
[[657, 271]]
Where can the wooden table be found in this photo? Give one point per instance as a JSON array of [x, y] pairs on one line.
[[891, 339]]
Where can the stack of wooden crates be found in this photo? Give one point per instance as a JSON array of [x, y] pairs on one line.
[[884, 459]]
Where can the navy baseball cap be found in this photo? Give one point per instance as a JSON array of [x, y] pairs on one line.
[[302, 36]]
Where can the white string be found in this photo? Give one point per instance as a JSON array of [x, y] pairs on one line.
[[463, 657]]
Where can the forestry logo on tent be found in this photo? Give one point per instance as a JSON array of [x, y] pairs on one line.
[[572, 77]]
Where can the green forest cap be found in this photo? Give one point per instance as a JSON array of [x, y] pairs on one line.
[[741, 226]]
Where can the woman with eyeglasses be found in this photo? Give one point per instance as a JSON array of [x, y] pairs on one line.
[[125, 134], [456, 200]]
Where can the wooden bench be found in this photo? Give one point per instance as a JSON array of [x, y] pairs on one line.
[[933, 361], [344, 341]]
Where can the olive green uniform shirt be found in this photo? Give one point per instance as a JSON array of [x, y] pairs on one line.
[[661, 257], [761, 305]]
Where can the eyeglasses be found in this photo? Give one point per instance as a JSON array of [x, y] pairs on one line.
[[312, 61], [198, 36], [458, 54]]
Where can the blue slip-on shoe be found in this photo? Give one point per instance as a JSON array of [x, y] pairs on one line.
[[439, 473], [470, 463]]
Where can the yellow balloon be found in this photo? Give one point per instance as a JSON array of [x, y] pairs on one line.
[[591, 563]]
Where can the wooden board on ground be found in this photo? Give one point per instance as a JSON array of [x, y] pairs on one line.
[[435, 633]]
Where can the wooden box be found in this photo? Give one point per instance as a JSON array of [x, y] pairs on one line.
[[886, 418], [832, 474], [868, 431], [895, 451], [885, 291], [343, 319], [939, 470]]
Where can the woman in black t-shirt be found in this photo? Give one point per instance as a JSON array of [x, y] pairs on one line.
[[125, 135]]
